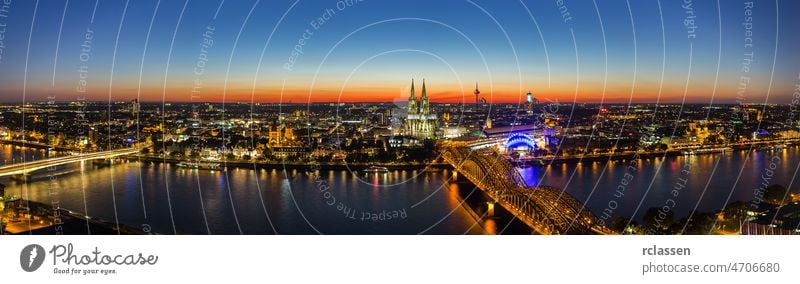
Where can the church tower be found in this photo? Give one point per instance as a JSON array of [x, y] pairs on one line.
[[424, 105], [412, 100]]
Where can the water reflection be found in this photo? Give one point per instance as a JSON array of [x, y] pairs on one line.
[[258, 202], [728, 173], [269, 201]]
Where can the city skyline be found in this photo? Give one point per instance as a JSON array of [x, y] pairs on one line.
[[364, 51], [567, 124]]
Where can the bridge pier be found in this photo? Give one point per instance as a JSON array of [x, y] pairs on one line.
[[21, 177], [103, 162], [490, 208]]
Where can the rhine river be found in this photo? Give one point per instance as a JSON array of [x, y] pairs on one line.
[[169, 199]]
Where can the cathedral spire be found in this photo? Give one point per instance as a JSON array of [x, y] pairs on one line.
[[412, 101], [412, 97], [424, 105], [424, 94]]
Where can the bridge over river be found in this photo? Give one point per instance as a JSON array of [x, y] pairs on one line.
[[547, 210], [23, 170]]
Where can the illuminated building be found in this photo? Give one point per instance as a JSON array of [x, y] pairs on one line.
[[420, 122], [136, 107], [278, 135], [523, 139], [288, 134]]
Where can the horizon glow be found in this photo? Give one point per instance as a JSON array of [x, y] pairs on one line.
[[369, 50]]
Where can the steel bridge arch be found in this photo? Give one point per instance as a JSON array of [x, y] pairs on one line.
[[545, 209]]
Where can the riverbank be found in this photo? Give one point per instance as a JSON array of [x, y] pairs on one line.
[[295, 166], [554, 160], [593, 158], [34, 218], [33, 145], [649, 155]]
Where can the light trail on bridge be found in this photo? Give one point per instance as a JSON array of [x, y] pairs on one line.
[[28, 167]]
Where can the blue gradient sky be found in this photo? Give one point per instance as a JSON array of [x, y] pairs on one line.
[[369, 50]]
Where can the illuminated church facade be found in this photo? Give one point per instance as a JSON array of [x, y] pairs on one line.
[[420, 122]]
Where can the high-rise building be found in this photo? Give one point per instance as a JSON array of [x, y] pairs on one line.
[[135, 107], [420, 122]]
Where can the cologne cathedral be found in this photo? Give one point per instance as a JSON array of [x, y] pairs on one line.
[[420, 122]]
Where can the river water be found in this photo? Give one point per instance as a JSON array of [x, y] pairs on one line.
[[168, 199], [704, 182]]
